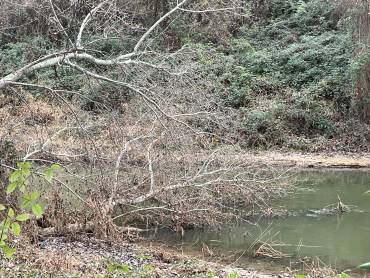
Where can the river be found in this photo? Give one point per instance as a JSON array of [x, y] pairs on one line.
[[304, 230]]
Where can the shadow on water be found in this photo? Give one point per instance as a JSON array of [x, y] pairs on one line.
[[300, 230]]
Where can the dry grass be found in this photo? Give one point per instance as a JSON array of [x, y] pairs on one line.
[[318, 269]]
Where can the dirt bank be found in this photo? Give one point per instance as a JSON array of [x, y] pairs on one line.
[[308, 160], [89, 257]]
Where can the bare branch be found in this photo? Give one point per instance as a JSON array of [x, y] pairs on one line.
[[150, 167], [155, 25], [86, 21], [58, 58], [117, 167], [62, 29]]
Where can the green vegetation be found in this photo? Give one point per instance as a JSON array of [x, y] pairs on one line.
[[290, 72], [126, 270], [28, 208]]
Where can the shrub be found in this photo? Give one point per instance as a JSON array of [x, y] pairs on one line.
[[100, 96], [28, 204], [290, 73], [263, 127], [305, 115], [15, 55]]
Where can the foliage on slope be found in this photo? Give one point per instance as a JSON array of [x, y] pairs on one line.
[[288, 70], [290, 74]]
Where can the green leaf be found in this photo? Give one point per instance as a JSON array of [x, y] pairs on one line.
[[26, 172], [4, 236], [11, 187], [232, 275], [148, 268], [24, 165], [34, 196], [48, 175], [10, 213], [2, 207], [55, 166], [7, 223], [8, 252], [26, 201], [37, 210], [22, 217], [300, 276], [123, 268], [16, 229], [364, 266], [22, 188], [111, 268], [15, 176]]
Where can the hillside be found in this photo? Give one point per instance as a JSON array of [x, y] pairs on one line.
[[281, 74]]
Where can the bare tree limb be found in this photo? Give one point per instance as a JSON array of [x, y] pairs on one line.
[[155, 25], [86, 21], [117, 167]]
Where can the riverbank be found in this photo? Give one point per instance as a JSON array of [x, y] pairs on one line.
[[83, 256], [89, 257], [307, 160]]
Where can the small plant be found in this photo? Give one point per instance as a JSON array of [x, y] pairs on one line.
[[144, 257], [118, 268], [29, 206], [232, 275], [126, 270]]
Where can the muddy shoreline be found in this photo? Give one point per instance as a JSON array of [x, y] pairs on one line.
[[308, 160], [84, 256]]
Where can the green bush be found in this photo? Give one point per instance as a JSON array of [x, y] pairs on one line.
[[16, 55], [263, 127], [305, 115], [287, 74], [103, 96]]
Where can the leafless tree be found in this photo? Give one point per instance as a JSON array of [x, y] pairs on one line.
[[149, 160]]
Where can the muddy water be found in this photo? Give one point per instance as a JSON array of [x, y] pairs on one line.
[[303, 229]]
